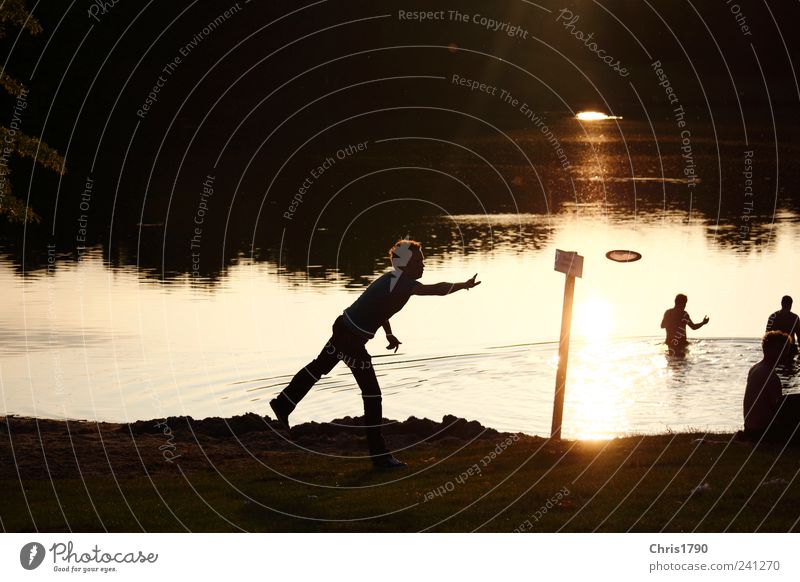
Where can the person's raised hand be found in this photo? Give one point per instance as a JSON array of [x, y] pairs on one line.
[[470, 283], [393, 342], [705, 320]]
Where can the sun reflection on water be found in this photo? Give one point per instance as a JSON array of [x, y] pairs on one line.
[[594, 320], [605, 375], [594, 116], [605, 381]]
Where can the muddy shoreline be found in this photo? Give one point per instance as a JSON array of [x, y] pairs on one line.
[[35, 448]]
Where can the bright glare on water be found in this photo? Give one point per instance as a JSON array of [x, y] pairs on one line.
[[594, 116]]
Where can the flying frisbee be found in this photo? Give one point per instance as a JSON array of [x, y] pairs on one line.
[[623, 256]]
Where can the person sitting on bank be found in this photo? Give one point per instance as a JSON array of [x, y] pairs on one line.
[[675, 321], [787, 322], [384, 297], [768, 415]]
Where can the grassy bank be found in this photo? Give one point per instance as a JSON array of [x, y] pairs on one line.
[[179, 474]]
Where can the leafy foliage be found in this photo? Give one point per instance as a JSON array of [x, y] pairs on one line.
[[12, 141]]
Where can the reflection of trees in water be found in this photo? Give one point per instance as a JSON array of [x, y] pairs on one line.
[[355, 251], [759, 235], [363, 252], [399, 187]]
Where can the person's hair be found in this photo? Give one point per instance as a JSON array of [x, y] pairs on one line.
[[786, 302], [681, 298], [774, 342], [416, 248]]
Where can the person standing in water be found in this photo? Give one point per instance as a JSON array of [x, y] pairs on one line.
[[675, 321], [787, 322], [373, 309]]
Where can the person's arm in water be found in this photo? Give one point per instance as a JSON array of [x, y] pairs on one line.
[[445, 288], [664, 320], [390, 337], [694, 325]]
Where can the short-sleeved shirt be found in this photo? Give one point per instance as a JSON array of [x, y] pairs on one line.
[[785, 321], [762, 396], [674, 322], [378, 303]]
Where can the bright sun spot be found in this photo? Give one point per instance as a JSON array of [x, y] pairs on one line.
[[594, 319], [594, 116]]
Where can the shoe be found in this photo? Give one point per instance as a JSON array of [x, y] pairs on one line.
[[283, 419], [387, 462]]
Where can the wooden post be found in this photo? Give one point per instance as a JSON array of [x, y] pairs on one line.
[[563, 358], [571, 264]]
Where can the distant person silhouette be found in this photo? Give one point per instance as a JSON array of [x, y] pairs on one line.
[[767, 413], [787, 322], [384, 297], [675, 321]]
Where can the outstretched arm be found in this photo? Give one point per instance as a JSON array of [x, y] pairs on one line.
[[390, 337], [694, 325], [445, 288]]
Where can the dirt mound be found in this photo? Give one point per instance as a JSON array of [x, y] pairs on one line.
[[44, 448], [213, 426], [419, 428]]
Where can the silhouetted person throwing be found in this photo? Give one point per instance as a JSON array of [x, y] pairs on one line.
[[675, 321], [767, 413], [787, 322], [384, 297]]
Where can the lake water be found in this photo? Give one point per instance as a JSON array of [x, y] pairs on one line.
[[91, 341]]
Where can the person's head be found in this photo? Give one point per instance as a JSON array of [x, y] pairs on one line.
[[680, 300], [774, 343], [786, 302], [406, 255]]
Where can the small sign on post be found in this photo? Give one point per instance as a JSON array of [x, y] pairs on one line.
[[571, 264]]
